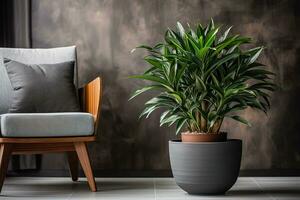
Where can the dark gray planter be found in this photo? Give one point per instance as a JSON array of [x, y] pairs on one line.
[[205, 167]]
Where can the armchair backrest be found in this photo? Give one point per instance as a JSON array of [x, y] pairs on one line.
[[31, 56]]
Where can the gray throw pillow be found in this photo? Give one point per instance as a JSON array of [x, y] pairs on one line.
[[42, 88]]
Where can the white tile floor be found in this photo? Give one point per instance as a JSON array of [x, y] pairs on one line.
[[280, 188]]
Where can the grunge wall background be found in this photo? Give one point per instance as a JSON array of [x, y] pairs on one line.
[[105, 31]]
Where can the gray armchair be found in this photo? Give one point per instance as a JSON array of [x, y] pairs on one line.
[[36, 133]]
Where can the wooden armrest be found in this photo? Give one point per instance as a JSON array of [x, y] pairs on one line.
[[93, 98]]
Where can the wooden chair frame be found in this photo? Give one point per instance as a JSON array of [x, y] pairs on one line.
[[75, 147]]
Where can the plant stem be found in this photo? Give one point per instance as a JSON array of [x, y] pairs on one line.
[[216, 126], [221, 121], [198, 119], [203, 124]]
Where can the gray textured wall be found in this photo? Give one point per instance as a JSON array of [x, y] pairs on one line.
[[106, 30]]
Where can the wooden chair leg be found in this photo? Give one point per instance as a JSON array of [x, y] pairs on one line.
[[5, 152], [73, 165], [84, 159]]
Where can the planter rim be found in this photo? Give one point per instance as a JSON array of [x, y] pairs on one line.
[[206, 143]]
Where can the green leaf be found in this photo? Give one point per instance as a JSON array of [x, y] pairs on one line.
[[200, 85], [147, 111], [220, 62], [202, 53], [152, 78], [144, 89], [211, 38], [200, 40], [180, 124], [224, 36], [194, 45], [240, 119], [164, 115], [215, 80], [154, 61], [181, 29], [255, 56], [170, 119], [176, 97], [145, 47]]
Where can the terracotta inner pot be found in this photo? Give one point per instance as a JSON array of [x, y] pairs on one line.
[[192, 137]]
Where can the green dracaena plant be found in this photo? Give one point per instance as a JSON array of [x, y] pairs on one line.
[[203, 76]]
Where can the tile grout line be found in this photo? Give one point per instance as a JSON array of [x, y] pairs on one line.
[[262, 189]]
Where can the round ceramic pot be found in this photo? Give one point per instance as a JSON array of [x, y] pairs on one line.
[[205, 168]]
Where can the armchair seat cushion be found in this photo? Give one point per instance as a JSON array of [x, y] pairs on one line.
[[46, 124]]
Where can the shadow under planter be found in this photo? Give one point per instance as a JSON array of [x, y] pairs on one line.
[[205, 168]]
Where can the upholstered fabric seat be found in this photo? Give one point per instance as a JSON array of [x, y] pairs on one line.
[[46, 124]]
